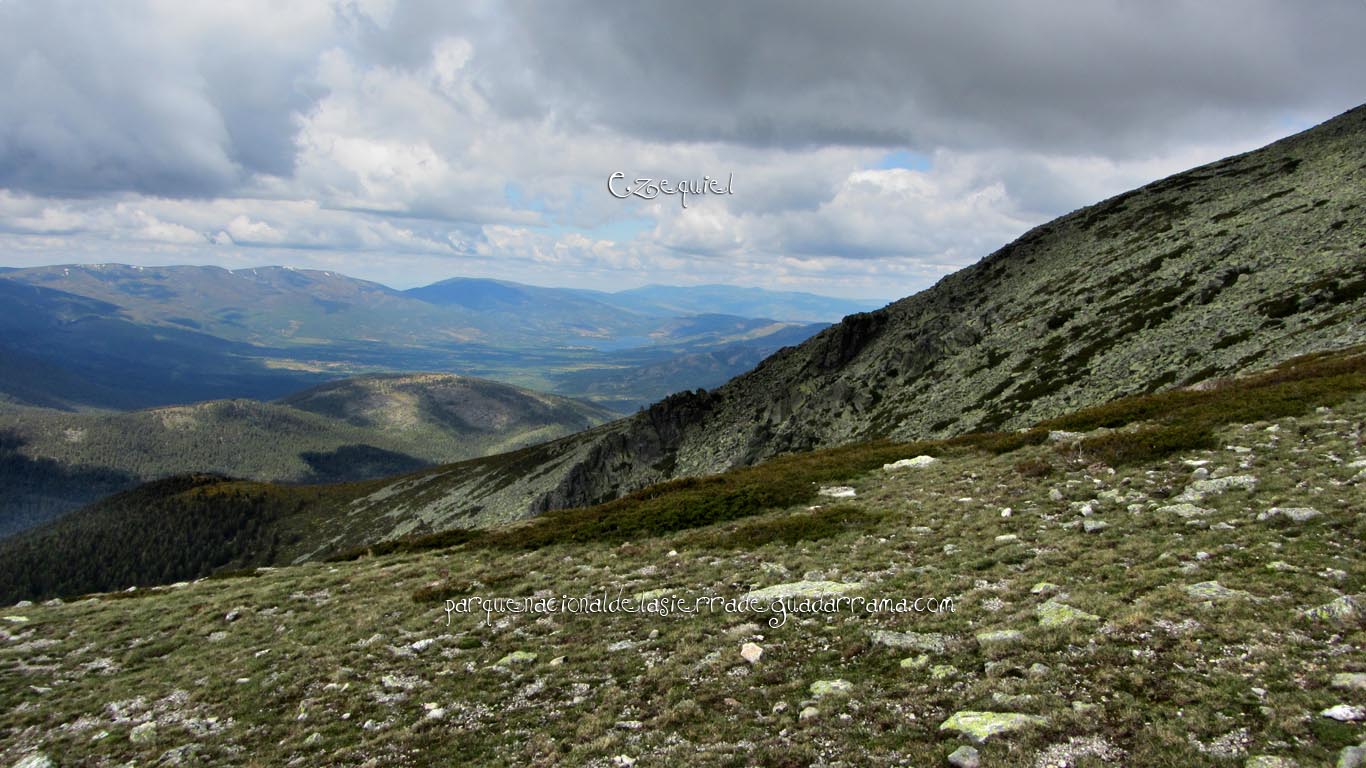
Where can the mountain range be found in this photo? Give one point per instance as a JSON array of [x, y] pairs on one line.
[[1225, 269], [174, 335]]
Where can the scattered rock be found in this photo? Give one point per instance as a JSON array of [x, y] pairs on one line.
[[36, 760], [1352, 681], [803, 589], [1183, 509], [1012, 700], [943, 671], [1077, 747], [1199, 489], [838, 492], [630, 725], [143, 733], [1043, 588], [1056, 614], [1055, 495], [1092, 526], [234, 614], [1345, 713], [965, 757], [831, 687], [623, 761], [809, 713], [516, 657], [929, 642], [916, 463], [1213, 590], [751, 652], [979, 727], [1007, 538], [915, 662], [1270, 761], [1294, 514], [1344, 610], [422, 645], [1000, 637], [1352, 757]]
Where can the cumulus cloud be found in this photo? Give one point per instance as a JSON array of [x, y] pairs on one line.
[[410, 140]]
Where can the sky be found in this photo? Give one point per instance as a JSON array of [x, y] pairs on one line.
[[869, 148]]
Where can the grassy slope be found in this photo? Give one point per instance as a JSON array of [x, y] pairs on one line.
[[52, 462], [319, 664]]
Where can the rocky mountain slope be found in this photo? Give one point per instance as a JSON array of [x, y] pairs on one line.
[[1081, 595], [1228, 267], [355, 429]]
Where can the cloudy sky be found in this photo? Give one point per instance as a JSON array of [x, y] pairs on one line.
[[872, 146]]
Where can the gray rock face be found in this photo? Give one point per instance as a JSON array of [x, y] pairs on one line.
[[965, 757], [1294, 514], [928, 642], [1200, 489], [981, 727]]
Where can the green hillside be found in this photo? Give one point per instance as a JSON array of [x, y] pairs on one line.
[[54, 461]]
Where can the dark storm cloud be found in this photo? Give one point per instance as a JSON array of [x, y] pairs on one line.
[[1102, 76], [98, 98]]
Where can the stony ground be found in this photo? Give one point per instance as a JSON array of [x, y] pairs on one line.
[[1206, 610]]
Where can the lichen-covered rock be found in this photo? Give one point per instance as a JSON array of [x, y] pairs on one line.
[[929, 642], [1056, 614], [1352, 681], [1344, 610], [1199, 489], [144, 733], [831, 688], [1000, 637], [943, 671], [916, 463], [1270, 761], [1213, 590], [797, 589], [979, 727], [37, 760], [965, 757], [1293, 514], [516, 657]]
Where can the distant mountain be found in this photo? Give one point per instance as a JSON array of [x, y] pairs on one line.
[[291, 327], [733, 300], [52, 462], [60, 350]]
